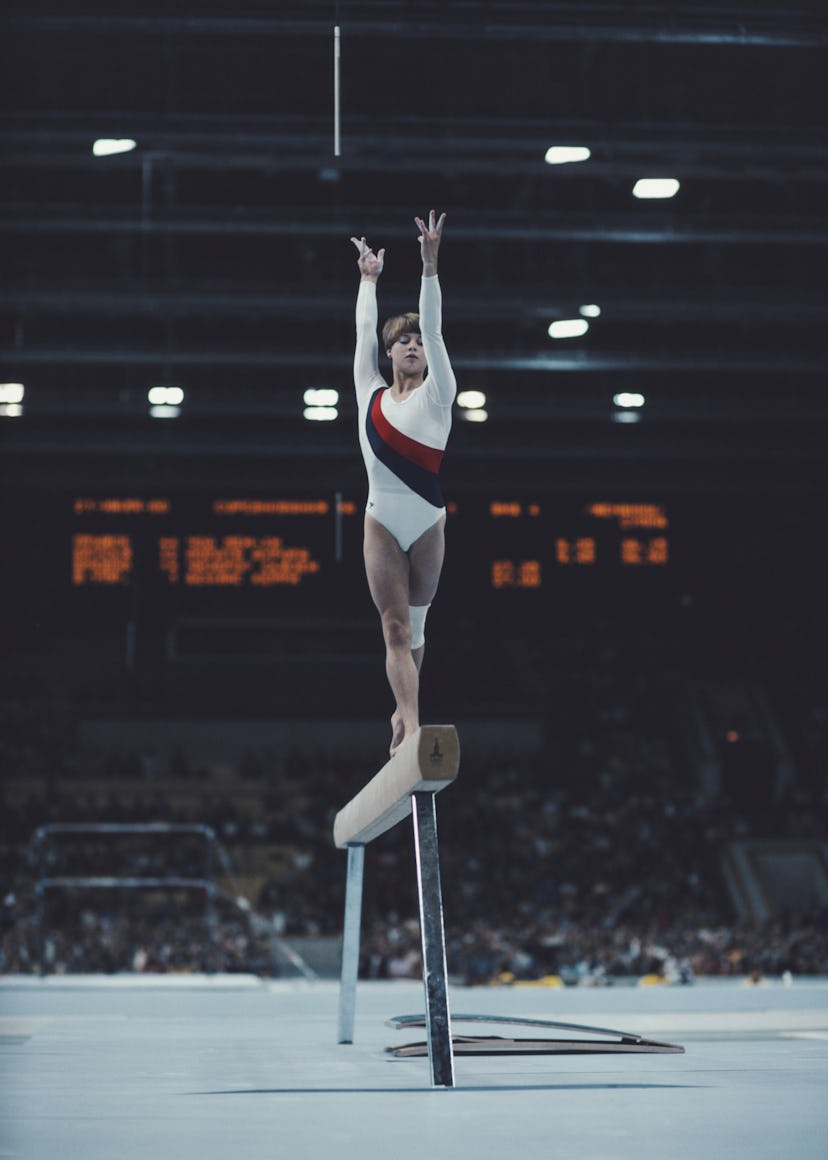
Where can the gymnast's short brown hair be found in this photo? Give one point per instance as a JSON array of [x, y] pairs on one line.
[[398, 325]]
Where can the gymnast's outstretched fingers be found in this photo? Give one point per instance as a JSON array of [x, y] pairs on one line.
[[430, 237], [370, 264]]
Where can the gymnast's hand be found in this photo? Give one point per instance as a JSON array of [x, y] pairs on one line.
[[430, 236], [370, 264]]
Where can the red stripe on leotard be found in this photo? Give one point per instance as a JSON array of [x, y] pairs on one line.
[[424, 456]]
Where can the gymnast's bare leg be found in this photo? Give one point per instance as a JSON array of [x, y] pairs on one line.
[[397, 579]]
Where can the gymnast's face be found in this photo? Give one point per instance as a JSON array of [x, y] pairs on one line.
[[407, 354]]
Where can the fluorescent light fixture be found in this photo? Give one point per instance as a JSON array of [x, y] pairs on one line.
[[471, 399], [321, 397], [164, 411], [476, 415], [656, 187], [106, 146], [590, 310], [321, 414], [628, 399], [561, 154], [172, 396], [625, 416], [12, 392], [11, 410], [568, 328]]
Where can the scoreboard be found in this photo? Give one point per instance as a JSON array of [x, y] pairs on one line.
[[197, 559], [278, 579], [253, 544], [594, 534]]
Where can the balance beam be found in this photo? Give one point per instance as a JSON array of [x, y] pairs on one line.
[[426, 762]]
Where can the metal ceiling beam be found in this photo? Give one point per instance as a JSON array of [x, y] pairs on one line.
[[636, 227], [312, 361], [744, 164], [710, 410], [503, 149], [22, 129], [736, 305], [290, 143], [618, 446], [584, 23]]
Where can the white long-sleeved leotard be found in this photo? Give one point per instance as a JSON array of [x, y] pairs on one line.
[[403, 442]]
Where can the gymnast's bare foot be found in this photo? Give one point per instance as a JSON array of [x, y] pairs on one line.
[[397, 732]]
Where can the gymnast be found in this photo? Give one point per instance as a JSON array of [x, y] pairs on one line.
[[403, 431]]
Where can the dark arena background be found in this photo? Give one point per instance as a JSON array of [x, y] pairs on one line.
[[630, 632]]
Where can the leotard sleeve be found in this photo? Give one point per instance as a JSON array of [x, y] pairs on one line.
[[441, 381], [366, 367]]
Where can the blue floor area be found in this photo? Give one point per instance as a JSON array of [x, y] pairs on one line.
[[231, 1067]]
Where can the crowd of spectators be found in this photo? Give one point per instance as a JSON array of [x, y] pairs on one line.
[[618, 878], [565, 954], [593, 858], [84, 936]]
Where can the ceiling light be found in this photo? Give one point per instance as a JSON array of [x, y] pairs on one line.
[[321, 397], [568, 328], [561, 154], [590, 310], [471, 399], [11, 400], [164, 411], [628, 399], [478, 415], [172, 396], [625, 416], [106, 146], [656, 187], [321, 414]]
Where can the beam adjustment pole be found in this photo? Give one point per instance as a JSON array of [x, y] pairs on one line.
[[432, 933], [350, 944]]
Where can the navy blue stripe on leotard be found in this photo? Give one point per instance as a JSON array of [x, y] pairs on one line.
[[422, 481]]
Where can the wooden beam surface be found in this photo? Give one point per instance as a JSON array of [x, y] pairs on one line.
[[427, 761]]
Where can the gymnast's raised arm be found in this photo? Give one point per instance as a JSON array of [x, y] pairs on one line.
[[430, 238], [366, 351], [442, 385]]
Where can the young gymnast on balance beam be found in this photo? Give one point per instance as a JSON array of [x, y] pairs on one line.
[[403, 431]]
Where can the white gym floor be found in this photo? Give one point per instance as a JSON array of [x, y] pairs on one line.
[[231, 1067]]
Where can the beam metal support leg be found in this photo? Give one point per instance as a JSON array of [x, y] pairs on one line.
[[432, 933], [350, 944]]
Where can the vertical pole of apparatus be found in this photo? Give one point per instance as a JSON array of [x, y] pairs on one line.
[[350, 944], [432, 933]]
